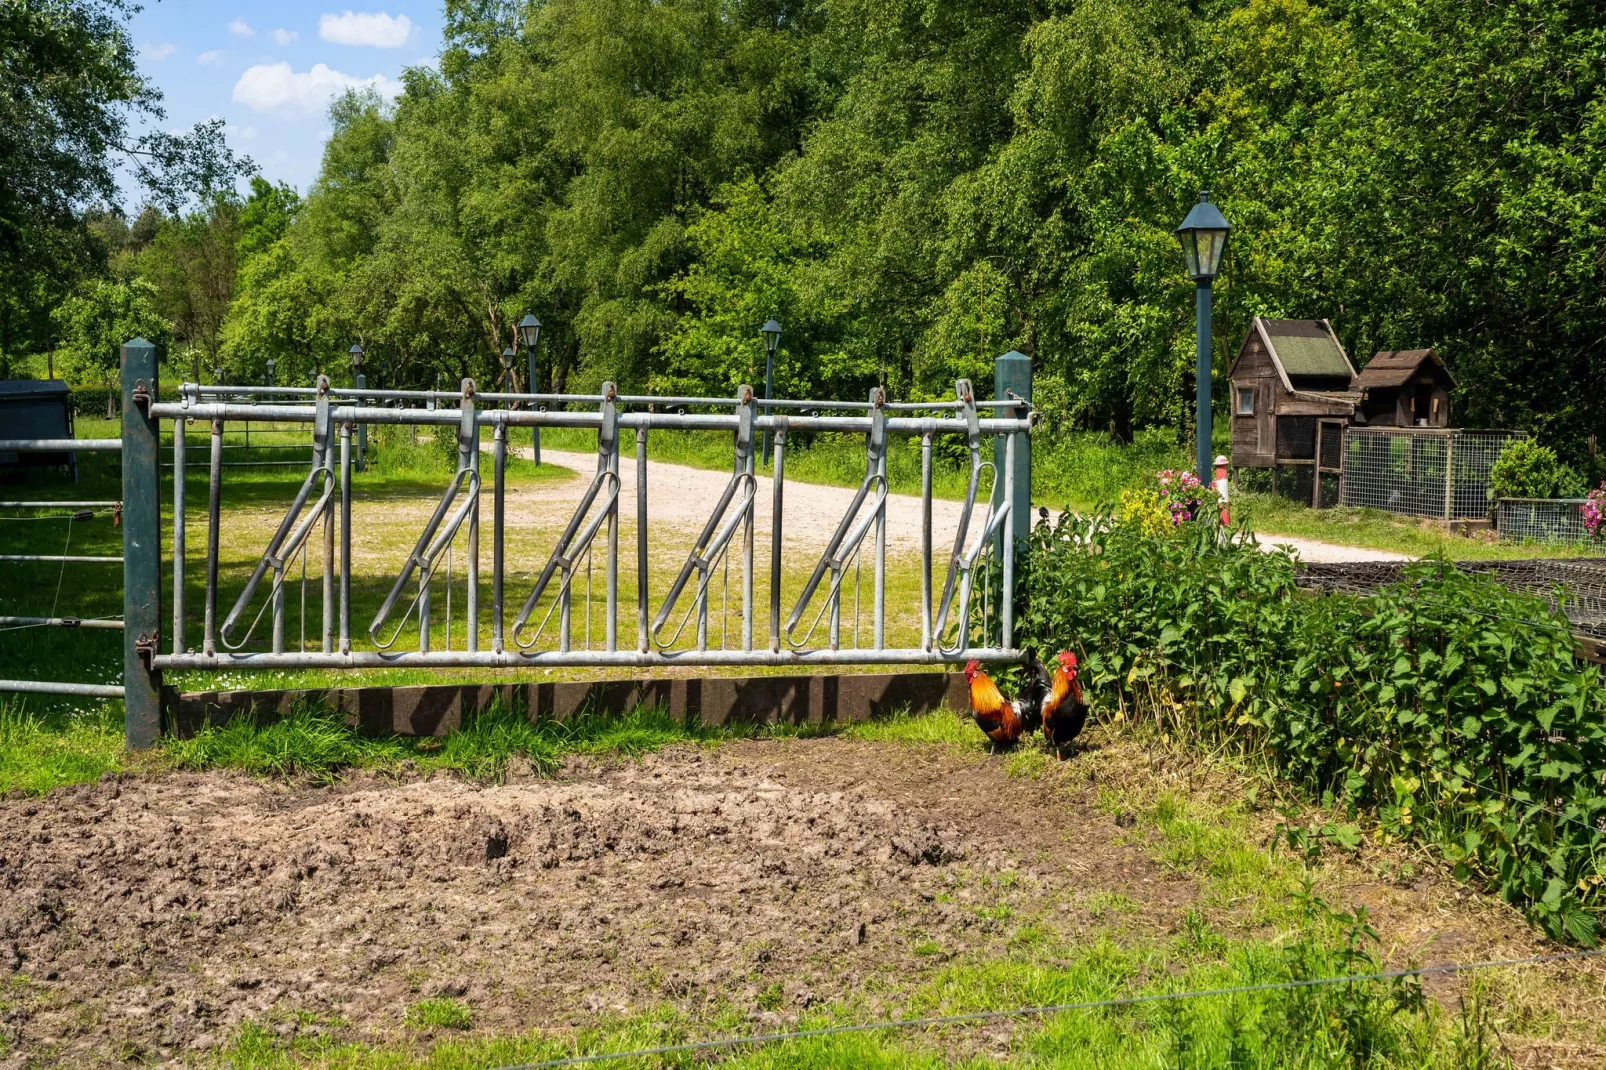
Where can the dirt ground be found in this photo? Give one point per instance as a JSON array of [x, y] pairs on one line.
[[152, 916]]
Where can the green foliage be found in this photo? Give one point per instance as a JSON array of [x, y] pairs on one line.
[[1445, 707], [1526, 469], [97, 317]]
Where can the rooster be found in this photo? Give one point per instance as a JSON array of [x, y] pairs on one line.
[[1063, 711], [1005, 721]]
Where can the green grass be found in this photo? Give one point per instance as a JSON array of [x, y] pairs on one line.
[[439, 1014], [43, 750]]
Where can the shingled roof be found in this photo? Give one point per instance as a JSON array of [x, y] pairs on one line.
[[1306, 348], [1394, 367]]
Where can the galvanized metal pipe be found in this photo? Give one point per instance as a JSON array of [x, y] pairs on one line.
[[71, 559], [59, 505], [196, 391], [613, 551], [61, 622], [473, 608], [49, 687], [880, 625], [925, 541], [778, 490], [1006, 593], [214, 495], [345, 538], [642, 585], [178, 536], [60, 445], [498, 546], [523, 418], [511, 659]]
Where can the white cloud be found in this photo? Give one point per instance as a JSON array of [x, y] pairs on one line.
[[275, 87], [241, 27], [376, 30], [157, 52], [284, 37], [209, 58], [243, 133]]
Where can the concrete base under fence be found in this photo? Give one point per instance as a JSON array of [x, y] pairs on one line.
[[434, 710]]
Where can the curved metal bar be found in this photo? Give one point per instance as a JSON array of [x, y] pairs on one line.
[[435, 537], [722, 523], [845, 540], [709, 559], [290, 537], [570, 548], [967, 570], [967, 399]]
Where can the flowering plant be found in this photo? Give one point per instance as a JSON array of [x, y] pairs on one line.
[[1594, 511], [1186, 497]]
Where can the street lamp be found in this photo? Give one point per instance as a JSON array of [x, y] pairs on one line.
[[530, 335], [771, 332], [507, 369], [359, 380], [269, 379], [1204, 238]]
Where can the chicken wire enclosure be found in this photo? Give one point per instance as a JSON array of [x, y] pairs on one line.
[[1543, 520], [1437, 472]]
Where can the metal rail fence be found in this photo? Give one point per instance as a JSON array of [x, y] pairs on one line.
[[973, 617], [1543, 520], [1422, 471]]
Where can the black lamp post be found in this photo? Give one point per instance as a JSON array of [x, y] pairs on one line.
[[359, 380], [507, 369], [1204, 239], [530, 336], [269, 378], [771, 332]]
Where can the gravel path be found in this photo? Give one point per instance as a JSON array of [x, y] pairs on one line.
[[681, 496]]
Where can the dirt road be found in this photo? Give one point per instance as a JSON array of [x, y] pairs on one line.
[[682, 497]]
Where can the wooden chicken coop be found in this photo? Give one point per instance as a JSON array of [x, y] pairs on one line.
[[1405, 388], [1294, 392]]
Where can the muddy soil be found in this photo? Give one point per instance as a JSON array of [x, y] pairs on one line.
[[152, 917]]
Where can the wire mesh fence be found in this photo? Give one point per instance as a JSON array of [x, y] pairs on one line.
[[1575, 587], [1439, 472], [1543, 520]]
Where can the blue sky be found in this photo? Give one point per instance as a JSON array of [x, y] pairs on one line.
[[270, 69]]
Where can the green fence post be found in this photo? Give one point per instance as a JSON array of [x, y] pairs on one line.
[[142, 547], [1012, 376]]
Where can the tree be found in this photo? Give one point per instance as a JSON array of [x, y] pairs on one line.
[[94, 321], [69, 89]]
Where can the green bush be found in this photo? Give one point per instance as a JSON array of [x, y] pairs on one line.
[[1445, 707], [1525, 469]]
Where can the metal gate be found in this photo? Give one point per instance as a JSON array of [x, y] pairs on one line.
[[971, 617]]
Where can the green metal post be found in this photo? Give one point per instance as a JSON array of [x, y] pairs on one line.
[[1012, 377], [142, 547]]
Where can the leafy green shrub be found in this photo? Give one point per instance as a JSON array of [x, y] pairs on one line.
[[1525, 469], [1433, 705]]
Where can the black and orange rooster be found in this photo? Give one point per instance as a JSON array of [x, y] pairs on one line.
[[1063, 711], [1003, 720]]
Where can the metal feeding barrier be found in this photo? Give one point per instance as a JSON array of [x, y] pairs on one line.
[[957, 626], [951, 629]]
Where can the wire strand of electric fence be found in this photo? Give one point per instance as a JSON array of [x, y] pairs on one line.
[[62, 575], [25, 627], [1056, 1008]]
